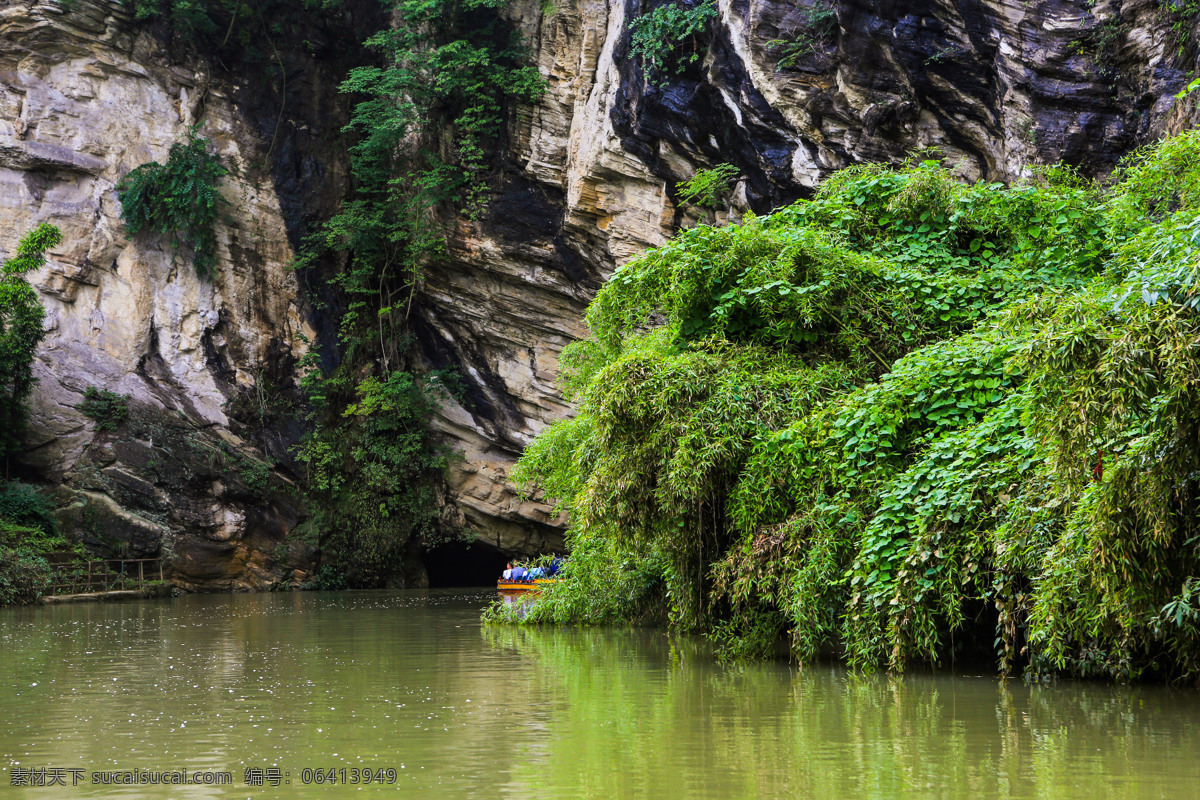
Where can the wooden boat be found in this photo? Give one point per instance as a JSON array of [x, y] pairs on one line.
[[517, 587]]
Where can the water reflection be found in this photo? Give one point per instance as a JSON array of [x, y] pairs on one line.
[[412, 681]]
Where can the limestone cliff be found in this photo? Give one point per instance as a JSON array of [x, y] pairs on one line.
[[85, 96], [586, 182], [590, 171]]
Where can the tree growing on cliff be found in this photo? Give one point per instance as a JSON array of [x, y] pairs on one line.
[[178, 199], [21, 316], [427, 118], [665, 38]]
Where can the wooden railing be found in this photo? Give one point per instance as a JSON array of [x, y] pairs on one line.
[[106, 575]]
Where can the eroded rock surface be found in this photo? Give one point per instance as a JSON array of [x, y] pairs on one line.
[[85, 97], [587, 182], [590, 172]]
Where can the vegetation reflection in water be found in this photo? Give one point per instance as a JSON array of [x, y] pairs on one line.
[[413, 681], [673, 718]]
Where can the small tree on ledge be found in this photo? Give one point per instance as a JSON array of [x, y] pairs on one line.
[[21, 316]]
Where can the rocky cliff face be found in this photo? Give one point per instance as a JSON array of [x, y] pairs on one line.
[[586, 183], [85, 96], [590, 173]]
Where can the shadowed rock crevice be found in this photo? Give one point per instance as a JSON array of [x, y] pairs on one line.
[[585, 182]]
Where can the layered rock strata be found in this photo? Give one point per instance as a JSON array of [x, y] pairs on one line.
[[996, 87], [785, 91], [197, 471]]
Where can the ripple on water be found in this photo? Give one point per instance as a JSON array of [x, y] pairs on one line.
[[412, 681]]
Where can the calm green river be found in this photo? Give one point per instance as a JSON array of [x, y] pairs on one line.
[[412, 688]]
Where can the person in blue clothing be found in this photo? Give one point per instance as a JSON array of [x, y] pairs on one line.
[[517, 573]]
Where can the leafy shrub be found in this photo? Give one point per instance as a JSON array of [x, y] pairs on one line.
[[818, 26], [864, 420], [370, 474], [178, 199], [108, 409], [327, 578], [25, 507], [660, 37], [708, 188], [23, 577], [255, 474], [25, 574], [21, 316], [189, 16]]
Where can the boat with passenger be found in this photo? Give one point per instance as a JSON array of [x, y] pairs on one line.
[[520, 579]]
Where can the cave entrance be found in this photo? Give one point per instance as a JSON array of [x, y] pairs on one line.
[[464, 563]]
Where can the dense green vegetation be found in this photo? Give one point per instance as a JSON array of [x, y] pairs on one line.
[[426, 119], [27, 531], [28, 535], [906, 416], [108, 409], [21, 316], [708, 188], [178, 199], [666, 38]]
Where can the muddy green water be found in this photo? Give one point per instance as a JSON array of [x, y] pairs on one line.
[[413, 682]]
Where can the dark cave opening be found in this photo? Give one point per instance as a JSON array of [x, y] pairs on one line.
[[464, 563]]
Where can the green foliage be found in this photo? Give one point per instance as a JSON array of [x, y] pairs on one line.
[[708, 188], [1180, 16], [661, 38], [23, 577], [28, 534], [191, 17], [448, 65], [327, 578], [370, 469], [602, 584], [426, 119], [817, 30], [197, 19], [871, 420], [108, 409], [24, 506], [254, 474], [21, 316], [178, 199]]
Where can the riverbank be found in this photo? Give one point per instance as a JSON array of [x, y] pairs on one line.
[[109, 597]]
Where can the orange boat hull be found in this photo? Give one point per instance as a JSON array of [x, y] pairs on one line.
[[524, 586]]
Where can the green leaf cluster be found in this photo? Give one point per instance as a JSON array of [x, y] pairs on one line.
[[907, 417], [425, 120], [708, 188], [28, 536], [21, 316], [369, 472], [108, 409], [661, 37], [223, 20], [447, 67], [817, 28], [179, 199]]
